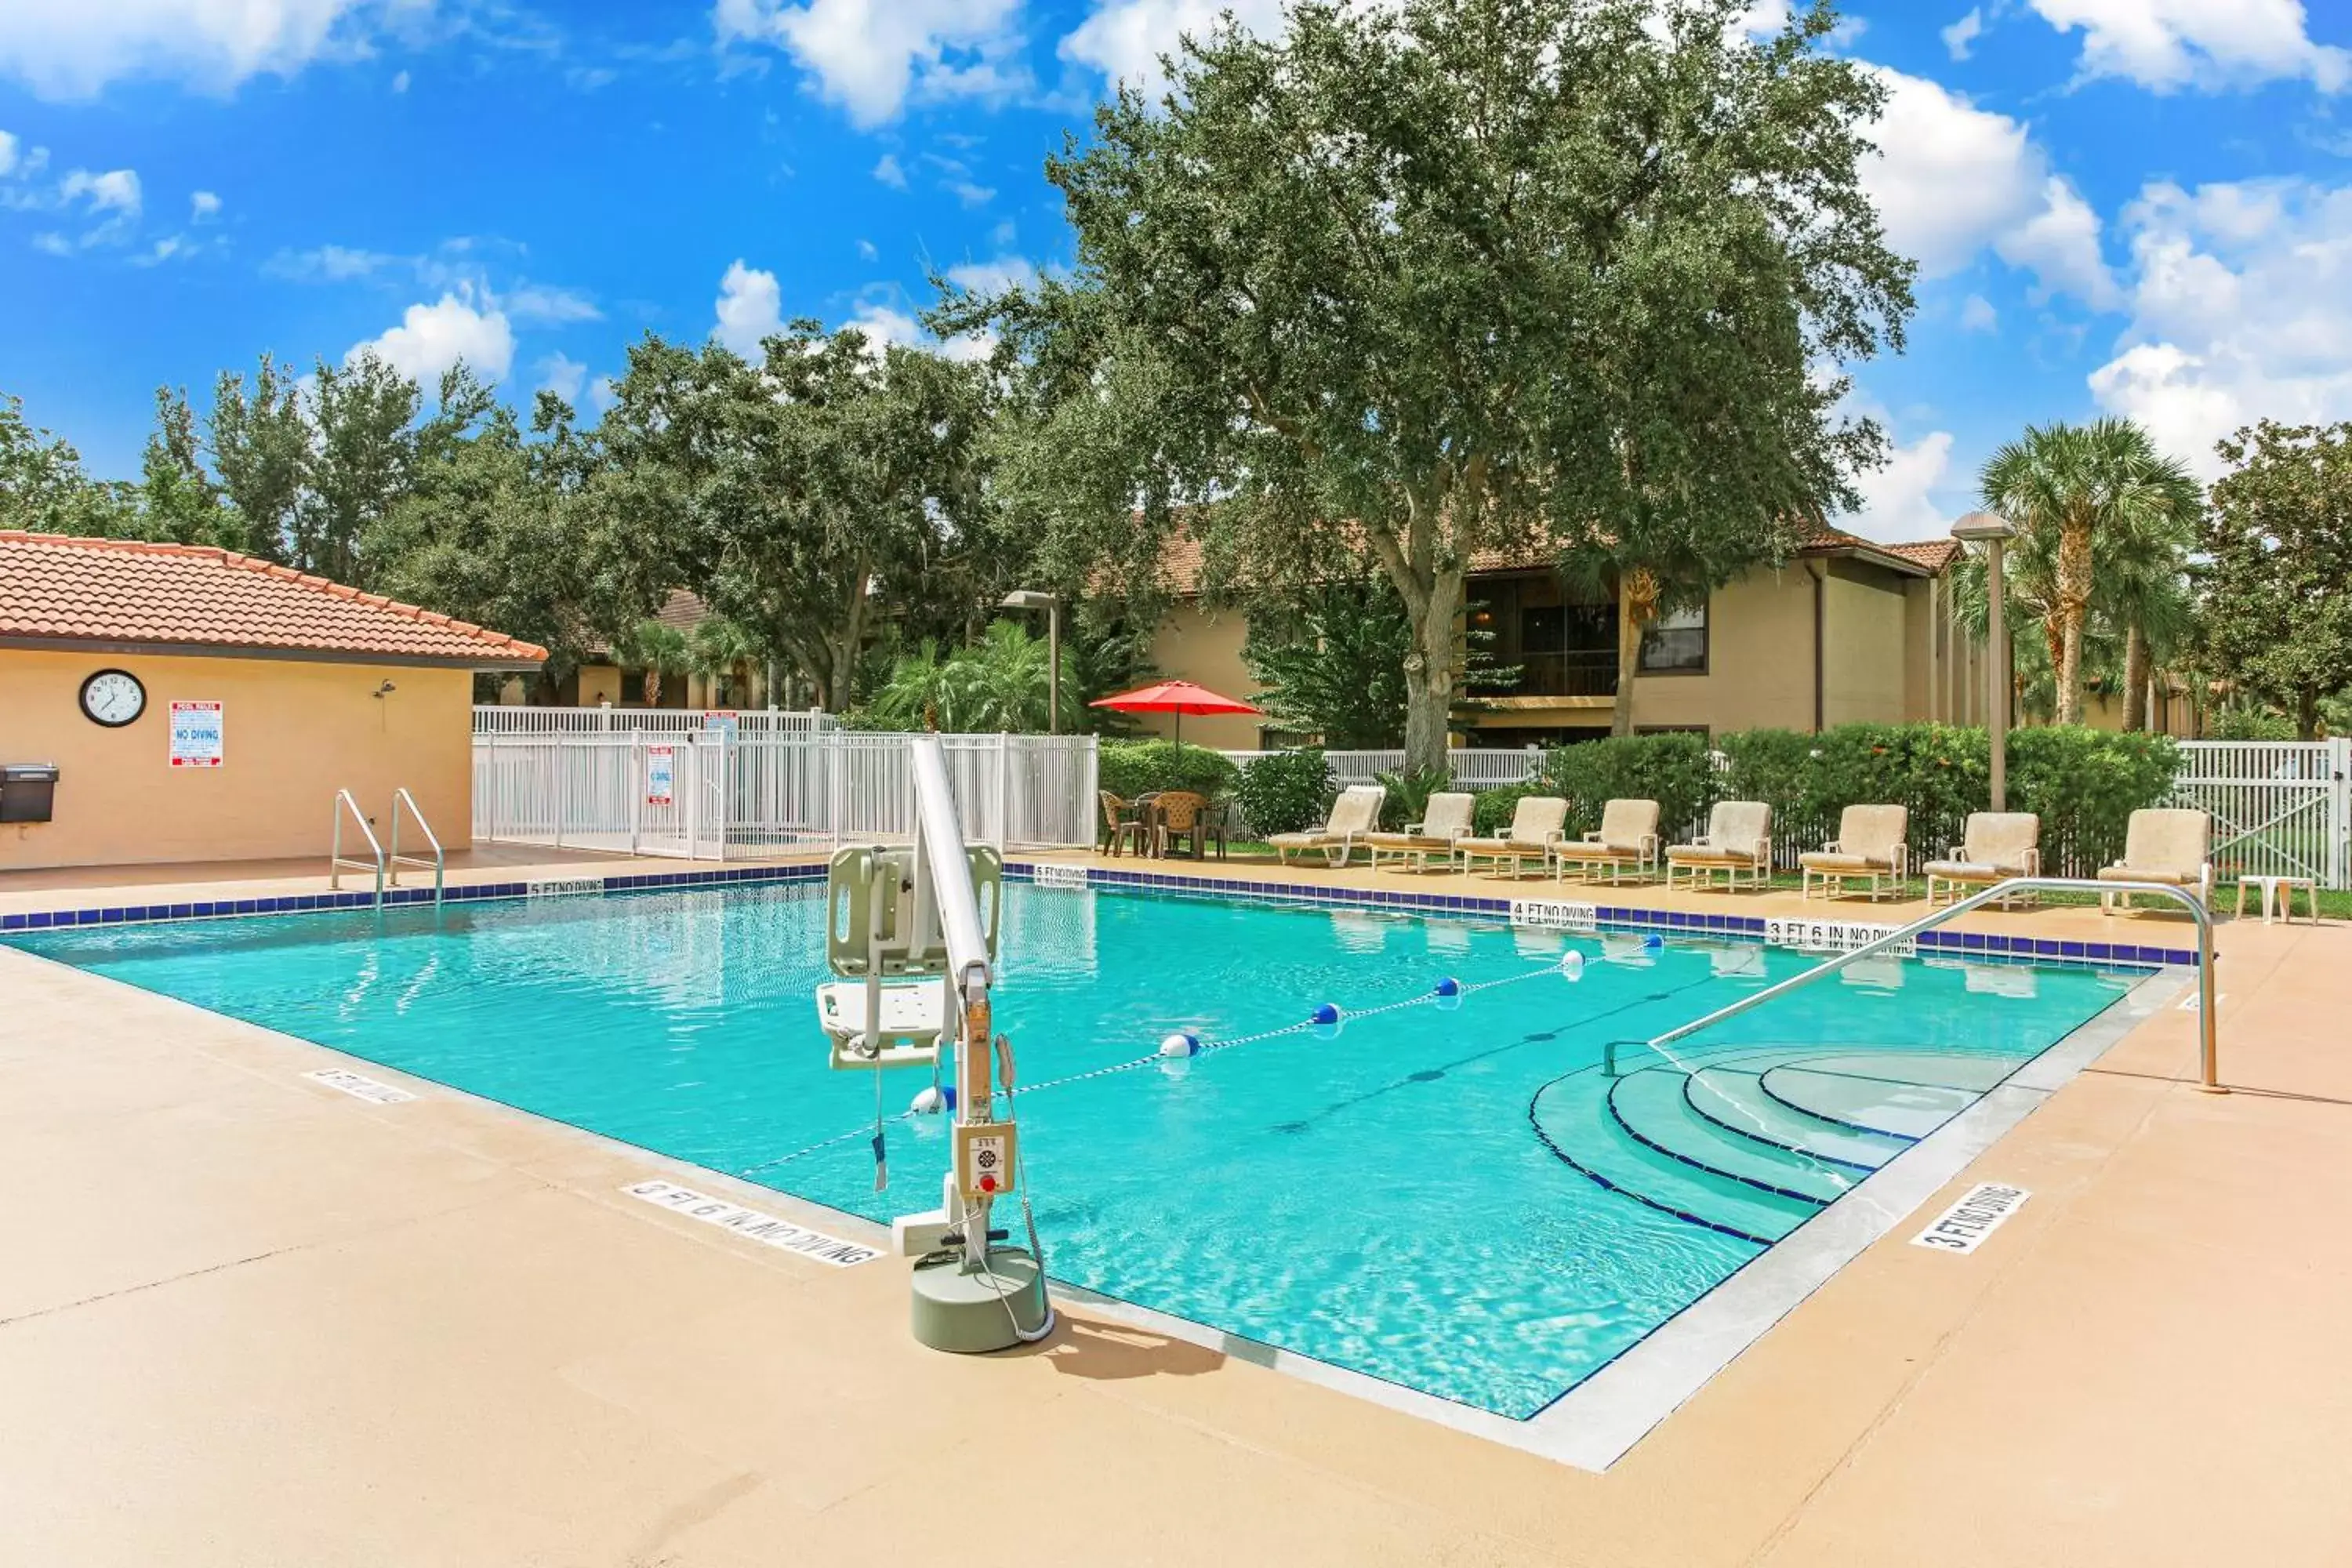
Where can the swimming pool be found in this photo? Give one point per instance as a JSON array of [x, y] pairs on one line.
[[1454, 1197]]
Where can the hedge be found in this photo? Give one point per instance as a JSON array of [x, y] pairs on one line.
[[1130, 768], [2083, 784], [1286, 792]]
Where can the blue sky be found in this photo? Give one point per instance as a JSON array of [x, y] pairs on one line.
[[2136, 206]]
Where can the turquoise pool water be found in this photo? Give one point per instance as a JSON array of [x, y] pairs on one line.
[[1378, 1199]]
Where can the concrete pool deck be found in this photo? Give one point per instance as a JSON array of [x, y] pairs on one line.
[[246, 1319]]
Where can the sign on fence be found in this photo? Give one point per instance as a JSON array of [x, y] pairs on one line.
[[661, 774]]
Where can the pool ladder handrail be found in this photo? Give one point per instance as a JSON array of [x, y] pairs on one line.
[[2209, 1062], [338, 862], [395, 860]]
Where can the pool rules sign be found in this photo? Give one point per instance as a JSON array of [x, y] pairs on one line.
[[196, 735]]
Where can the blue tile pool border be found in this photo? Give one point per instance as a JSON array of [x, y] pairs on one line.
[[1610, 917]]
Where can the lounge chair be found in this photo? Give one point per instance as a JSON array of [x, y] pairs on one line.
[[1995, 846], [1535, 824], [1443, 820], [1627, 837], [1737, 843], [2166, 844], [1873, 844], [1353, 816]]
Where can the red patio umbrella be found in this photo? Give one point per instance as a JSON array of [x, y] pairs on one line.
[[1176, 697]]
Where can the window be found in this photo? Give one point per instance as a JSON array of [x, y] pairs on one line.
[[1675, 643]]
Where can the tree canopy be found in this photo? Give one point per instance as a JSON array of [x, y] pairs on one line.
[[2277, 544], [1408, 283]]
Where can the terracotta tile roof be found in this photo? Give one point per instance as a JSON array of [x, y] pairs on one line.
[[57, 589], [1934, 554]]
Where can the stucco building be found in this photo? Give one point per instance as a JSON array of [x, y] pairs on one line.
[[1846, 630], [197, 704]]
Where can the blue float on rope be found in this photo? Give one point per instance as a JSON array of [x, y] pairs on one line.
[[1652, 941], [1571, 965], [1181, 1044], [1325, 1013], [1449, 986]]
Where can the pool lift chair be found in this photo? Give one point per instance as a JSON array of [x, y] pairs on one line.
[[911, 936]]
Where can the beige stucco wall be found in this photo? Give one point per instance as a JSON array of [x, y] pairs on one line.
[[1863, 651], [1759, 661], [293, 733], [1204, 646]]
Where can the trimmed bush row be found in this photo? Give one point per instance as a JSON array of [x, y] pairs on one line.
[[2083, 784]]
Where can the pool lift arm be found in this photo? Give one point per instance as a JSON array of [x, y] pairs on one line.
[[971, 1293]]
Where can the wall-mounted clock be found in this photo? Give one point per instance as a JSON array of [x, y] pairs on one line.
[[113, 697]]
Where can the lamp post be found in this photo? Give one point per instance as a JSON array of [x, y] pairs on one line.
[[1993, 532], [1038, 599]]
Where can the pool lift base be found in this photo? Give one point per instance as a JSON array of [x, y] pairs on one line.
[[971, 1311]]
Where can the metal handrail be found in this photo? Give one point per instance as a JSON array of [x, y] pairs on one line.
[[337, 861], [439, 862], [2209, 1028]]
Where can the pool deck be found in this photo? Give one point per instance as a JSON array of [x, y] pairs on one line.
[[247, 1320]]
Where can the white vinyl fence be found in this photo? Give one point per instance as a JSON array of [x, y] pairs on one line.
[[2279, 807], [707, 794], [1473, 767], [507, 719]]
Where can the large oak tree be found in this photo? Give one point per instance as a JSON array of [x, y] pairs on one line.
[[1418, 281]]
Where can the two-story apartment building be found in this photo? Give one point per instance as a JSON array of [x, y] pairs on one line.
[[1846, 630]]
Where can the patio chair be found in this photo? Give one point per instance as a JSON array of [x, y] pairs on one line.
[[1994, 846], [1352, 817], [1180, 815], [1738, 844], [1872, 844], [1120, 825], [2164, 844], [1627, 837], [1445, 820], [1536, 826]]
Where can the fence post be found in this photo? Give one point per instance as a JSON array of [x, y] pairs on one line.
[[555, 755], [2339, 809], [1004, 790]]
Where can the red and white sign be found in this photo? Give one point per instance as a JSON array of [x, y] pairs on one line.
[[196, 735], [661, 769]]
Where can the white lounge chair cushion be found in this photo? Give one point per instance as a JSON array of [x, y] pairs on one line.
[[1968, 871], [1836, 860]]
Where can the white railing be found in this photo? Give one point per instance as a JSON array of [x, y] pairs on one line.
[[503, 719], [707, 794], [1474, 767]]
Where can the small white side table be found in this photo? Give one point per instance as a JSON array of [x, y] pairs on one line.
[[2280, 891]]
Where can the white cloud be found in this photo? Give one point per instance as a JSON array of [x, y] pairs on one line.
[[203, 207], [2166, 45], [887, 170], [1950, 179], [563, 376], [7, 154], [399, 81], [432, 338], [330, 264], [537, 304], [2060, 245], [750, 308], [2241, 309], [866, 251], [1898, 500], [601, 394], [1962, 34], [53, 245], [994, 277], [116, 191], [74, 48], [1124, 39], [970, 192], [871, 56], [1977, 314]]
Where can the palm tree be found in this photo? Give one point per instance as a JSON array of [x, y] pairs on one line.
[[2067, 488], [658, 649]]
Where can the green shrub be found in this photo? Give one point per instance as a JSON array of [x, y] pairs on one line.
[[2252, 724], [2086, 783], [1490, 815], [1130, 768], [1405, 796], [1676, 771], [1286, 792], [1940, 771]]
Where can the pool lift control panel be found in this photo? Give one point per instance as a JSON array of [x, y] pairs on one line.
[[911, 935]]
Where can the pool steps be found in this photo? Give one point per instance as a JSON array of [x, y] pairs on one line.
[[1753, 1142]]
